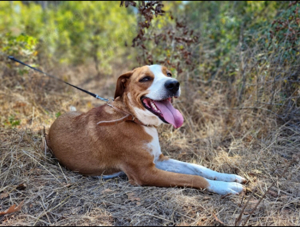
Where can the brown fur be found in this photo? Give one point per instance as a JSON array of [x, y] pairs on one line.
[[85, 147]]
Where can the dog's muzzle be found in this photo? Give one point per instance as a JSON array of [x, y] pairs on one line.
[[172, 86]]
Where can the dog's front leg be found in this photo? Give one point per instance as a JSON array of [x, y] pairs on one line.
[[175, 166], [152, 176]]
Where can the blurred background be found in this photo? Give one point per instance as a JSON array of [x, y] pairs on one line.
[[245, 52], [238, 63]]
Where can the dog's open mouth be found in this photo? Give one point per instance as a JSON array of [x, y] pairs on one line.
[[164, 110]]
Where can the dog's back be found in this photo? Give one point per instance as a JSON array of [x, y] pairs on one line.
[[83, 146]]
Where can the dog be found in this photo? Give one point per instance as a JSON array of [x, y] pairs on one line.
[[121, 137]]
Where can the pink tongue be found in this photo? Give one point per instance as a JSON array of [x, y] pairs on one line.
[[171, 115]]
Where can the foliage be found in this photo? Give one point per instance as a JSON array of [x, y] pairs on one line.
[[12, 122], [240, 103], [95, 29], [57, 114], [233, 42], [71, 32], [162, 40], [18, 46], [286, 30], [252, 47]]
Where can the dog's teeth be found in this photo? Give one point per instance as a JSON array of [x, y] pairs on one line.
[[152, 104], [154, 107]]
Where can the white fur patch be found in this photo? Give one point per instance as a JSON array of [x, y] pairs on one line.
[[217, 182], [224, 188], [157, 90], [193, 169], [153, 146], [145, 116]]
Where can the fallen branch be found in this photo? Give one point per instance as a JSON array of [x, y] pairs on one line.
[[238, 220]]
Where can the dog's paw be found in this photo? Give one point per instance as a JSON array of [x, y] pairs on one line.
[[224, 188], [231, 178]]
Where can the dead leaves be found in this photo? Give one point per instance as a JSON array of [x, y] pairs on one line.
[[21, 187], [107, 191], [4, 195], [132, 197], [12, 209]]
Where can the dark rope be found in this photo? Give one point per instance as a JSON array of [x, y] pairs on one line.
[[90, 93]]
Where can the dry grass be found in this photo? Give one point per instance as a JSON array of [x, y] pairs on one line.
[[227, 140]]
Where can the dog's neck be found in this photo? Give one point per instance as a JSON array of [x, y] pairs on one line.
[[125, 104]]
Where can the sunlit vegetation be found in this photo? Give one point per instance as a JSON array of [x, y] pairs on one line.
[[71, 32], [238, 64]]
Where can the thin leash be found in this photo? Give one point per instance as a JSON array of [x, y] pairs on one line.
[[128, 117], [46, 74]]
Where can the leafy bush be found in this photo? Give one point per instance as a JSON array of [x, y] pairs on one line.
[[285, 33], [21, 46], [71, 32], [235, 50], [251, 48]]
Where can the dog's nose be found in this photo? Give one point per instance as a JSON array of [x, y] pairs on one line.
[[172, 86]]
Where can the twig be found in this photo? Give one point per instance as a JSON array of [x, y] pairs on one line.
[[45, 212], [218, 220], [63, 173], [158, 217], [41, 165], [44, 141], [239, 218], [284, 171]]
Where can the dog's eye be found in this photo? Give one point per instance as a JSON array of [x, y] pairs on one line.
[[169, 74], [145, 79]]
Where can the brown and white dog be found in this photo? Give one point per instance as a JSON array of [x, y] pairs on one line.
[[121, 137]]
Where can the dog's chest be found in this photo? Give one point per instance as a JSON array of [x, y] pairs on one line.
[[153, 147]]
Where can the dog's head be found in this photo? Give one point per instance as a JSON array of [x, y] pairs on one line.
[[148, 92]]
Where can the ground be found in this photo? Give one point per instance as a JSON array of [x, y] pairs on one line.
[[52, 195]]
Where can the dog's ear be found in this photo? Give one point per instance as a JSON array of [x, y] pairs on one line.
[[121, 83]]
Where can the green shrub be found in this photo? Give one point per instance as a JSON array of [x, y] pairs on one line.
[[71, 32], [21, 46]]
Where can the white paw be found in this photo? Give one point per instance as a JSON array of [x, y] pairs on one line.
[[230, 178], [224, 188]]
